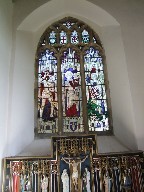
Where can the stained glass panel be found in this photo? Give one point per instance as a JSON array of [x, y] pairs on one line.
[[47, 93], [52, 37], [74, 37], [71, 92], [43, 42], [95, 91], [85, 36], [68, 24], [94, 39], [63, 37]]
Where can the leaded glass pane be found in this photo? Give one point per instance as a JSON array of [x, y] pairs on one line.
[[74, 37], [94, 39], [43, 42], [47, 93], [68, 24], [52, 37], [95, 91], [85, 36], [63, 37], [71, 92]]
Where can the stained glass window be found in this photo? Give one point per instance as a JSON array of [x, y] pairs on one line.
[[95, 91], [47, 93], [72, 94]]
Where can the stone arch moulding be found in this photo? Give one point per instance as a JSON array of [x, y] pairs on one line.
[[57, 9]]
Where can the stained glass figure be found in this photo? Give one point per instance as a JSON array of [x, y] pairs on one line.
[[74, 37], [71, 92], [47, 93], [85, 36], [95, 91], [63, 37], [52, 37]]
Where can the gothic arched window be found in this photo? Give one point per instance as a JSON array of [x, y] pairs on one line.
[[72, 95]]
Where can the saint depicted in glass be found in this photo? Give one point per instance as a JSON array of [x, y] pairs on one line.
[[47, 93], [71, 92], [95, 91]]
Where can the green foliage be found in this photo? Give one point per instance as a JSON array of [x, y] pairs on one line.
[[93, 110]]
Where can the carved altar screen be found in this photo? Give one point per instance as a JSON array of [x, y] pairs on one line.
[[75, 166], [73, 93]]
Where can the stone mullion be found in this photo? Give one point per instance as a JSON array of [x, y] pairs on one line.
[[83, 90], [59, 89]]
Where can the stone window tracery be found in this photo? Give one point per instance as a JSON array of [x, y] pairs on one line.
[[72, 94]]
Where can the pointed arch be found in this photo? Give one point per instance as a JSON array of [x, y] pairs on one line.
[[73, 93]]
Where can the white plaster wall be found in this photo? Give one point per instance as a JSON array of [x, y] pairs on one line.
[[130, 15], [22, 8], [5, 57], [120, 93], [59, 8], [120, 25], [43, 147], [134, 48], [121, 58], [21, 131]]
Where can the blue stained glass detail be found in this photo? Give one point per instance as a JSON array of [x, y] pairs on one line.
[[74, 37], [85, 36], [52, 37], [47, 61]]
